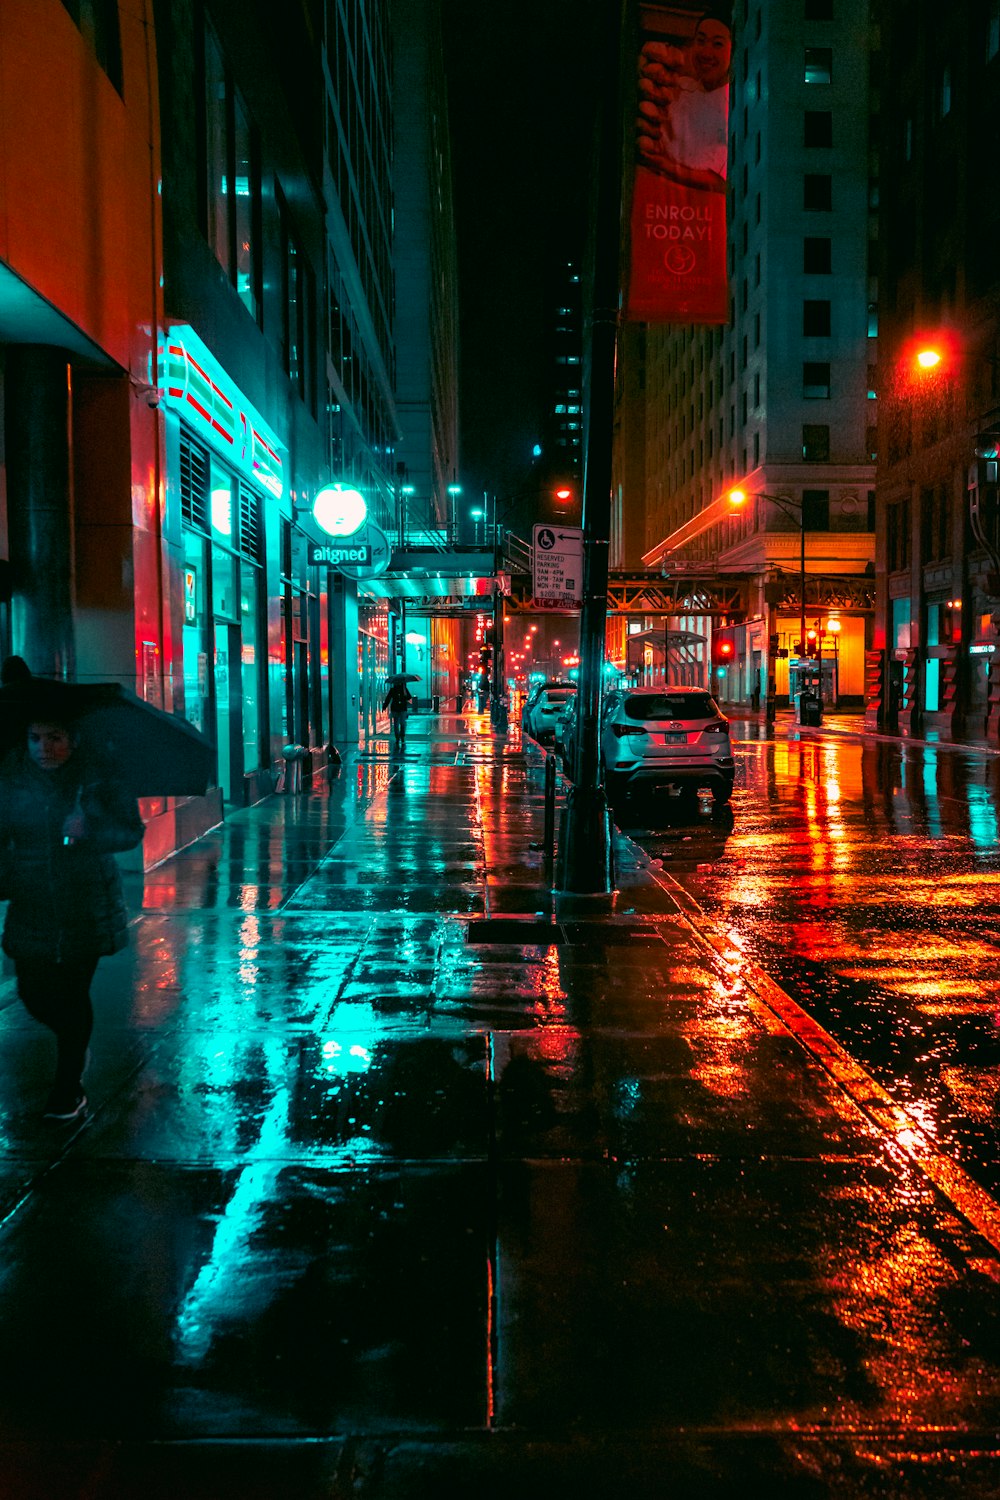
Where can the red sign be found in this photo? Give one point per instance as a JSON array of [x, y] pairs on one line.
[[678, 219]]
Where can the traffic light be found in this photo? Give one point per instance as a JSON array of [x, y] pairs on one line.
[[723, 651], [812, 642]]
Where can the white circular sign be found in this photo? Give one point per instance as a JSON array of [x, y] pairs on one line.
[[339, 510], [381, 553]]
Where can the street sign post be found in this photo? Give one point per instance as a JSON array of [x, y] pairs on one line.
[[557, 567]]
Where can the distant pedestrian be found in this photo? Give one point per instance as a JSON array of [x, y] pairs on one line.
[[63, 815], [755, 698], [398, 700]]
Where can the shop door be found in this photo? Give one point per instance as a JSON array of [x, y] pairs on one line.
[[228, 711]]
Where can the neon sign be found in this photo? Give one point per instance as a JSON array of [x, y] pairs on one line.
[[193, 382]]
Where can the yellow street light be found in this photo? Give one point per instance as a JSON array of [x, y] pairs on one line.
[[928, 359]]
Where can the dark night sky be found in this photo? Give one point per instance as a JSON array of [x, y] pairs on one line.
[[521, 99]]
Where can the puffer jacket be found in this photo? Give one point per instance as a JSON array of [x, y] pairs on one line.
[[66, 901]]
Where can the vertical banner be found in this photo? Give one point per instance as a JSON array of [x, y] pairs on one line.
[[678, 219]]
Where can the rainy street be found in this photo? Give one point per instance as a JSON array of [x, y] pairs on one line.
[[864, 876]]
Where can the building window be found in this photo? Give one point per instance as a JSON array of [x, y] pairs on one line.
[[819, 65], [817, 255], [993, 31], [816, 380], [816, 510], [216, 151], [908, 140], [98, 24], [873, 320], [817, 192], [818, 127], [944, 93], [816, 318], [232, 195], [816, 443], [898, 536], [297, 310]]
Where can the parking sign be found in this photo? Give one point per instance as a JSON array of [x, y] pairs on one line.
[[557, 567]]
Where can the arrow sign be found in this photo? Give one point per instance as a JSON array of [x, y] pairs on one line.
[[557, 566]]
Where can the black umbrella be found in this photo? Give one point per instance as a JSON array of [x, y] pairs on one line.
[[402, 677], [156, 754]]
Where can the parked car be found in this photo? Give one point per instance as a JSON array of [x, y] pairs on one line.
[[542, 707], [665, 738], [565, 727]]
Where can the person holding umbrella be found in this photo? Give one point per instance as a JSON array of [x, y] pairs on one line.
[[397, 700], [64, 813]]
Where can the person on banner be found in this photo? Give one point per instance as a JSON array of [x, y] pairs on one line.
[[398, 700], [64, 814], [682, 127]]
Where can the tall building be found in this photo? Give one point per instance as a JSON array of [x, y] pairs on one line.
[[425, 264], [938, 547], [197, 313], [779, 404]]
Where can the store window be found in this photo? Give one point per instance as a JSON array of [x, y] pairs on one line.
[[932, 667], [194, 632]]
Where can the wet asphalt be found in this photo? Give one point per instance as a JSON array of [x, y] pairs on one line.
[[402, 1180], [865, 875]]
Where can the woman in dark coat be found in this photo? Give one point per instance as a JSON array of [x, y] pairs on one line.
[[63, 815]]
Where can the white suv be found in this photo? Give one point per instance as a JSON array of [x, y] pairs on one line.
[[663, 738], [542, 708]]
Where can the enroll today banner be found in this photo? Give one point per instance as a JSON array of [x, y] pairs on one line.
[[678, 218]]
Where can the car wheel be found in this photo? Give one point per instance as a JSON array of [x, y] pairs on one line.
[[721, 794]]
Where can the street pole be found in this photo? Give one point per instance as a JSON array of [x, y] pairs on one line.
[[585, 845], [802, 580]]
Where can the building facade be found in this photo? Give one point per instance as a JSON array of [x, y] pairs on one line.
[[780, 403], [197, 310], [938, 549]]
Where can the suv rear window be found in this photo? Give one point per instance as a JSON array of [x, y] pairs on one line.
[[654, 706], [559, 695]]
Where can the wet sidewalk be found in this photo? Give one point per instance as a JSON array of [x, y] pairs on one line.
[[399, 1182]]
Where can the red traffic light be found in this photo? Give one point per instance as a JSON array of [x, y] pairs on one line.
[[723, 651]]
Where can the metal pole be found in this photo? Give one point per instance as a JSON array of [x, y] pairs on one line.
[[802, 581], [549, 831], [585, 845]]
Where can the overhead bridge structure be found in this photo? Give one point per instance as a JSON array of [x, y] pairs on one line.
[[455, 582]]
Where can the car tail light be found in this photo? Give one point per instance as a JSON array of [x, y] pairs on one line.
[[721, 726], [624, 730]]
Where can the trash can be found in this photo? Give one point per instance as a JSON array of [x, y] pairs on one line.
[[810, 710]]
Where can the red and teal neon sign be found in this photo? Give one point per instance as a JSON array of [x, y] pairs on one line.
[[194, 383]]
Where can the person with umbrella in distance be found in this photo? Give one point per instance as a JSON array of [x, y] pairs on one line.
[[397, 700], [64, 813]]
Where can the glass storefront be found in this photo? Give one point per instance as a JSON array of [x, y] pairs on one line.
[[222, 625]]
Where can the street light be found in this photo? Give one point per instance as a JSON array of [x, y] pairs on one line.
[[789, 506]]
